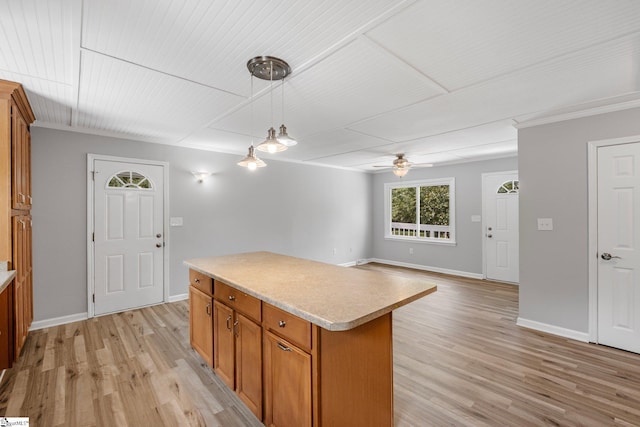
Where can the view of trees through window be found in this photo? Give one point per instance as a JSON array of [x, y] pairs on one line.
[[433, 204]]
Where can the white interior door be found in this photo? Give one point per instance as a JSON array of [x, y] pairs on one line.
[[501, 234], [128, 235], [618, 246]]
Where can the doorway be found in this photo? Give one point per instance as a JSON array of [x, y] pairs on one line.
[[500, 194], [614, 213], [127, 250]]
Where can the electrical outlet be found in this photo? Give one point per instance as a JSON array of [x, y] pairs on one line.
[[335, 251], [545, 224], [410, 251]]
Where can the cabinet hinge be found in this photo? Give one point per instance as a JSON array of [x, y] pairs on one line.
[[93, 175], [94, 298], [93, 237]]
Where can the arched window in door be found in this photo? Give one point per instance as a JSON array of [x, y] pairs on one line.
[[129, 179], [509, 187]]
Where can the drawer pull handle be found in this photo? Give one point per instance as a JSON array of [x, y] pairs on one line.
[[208, 309], [229, 322], [283, 347], [235, 328], [197, 280], [232, 298], [282, 323]]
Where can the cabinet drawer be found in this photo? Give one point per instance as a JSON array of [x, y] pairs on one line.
[[201, 281], [288, 326], [244, 303]]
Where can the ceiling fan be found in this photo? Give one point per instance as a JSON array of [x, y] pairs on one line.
[[401, 165]]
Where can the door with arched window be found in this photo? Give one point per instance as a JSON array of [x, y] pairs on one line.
[[128, 235], [500, 226]]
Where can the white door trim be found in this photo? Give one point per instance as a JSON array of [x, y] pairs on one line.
[[592, 211], [484, 176], [90, 225]]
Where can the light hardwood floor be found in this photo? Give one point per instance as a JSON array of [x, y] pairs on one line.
[[459, 360]]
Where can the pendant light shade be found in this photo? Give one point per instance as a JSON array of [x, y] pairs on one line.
[[251, 161], [284, 138], [271, 144]]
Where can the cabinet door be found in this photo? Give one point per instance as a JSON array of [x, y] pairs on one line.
[[287, 376], [223, 343], [20, 161], [201, 324], [249, 364], [20, 292]]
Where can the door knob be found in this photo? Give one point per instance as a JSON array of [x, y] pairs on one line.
[[607, 256], [158, 235], [158, 245]]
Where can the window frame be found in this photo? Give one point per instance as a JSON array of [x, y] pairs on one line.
[[388, 187]]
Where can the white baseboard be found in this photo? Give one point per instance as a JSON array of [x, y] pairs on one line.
[[180, 297], [427, 268], [348, 264], [555, 330], [47, 323]]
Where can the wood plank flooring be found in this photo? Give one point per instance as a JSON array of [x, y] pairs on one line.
[[459, 360]]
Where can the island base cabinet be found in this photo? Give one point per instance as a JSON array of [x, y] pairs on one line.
[[356, 375], [201, 323], [238, 355], [287, 384], [223, 344]]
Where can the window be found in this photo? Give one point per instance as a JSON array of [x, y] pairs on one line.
[[421, 211], [509, 187], [129, 179]]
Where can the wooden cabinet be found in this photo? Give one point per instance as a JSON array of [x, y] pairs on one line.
[[287, 383], [201, 323], [20, 161], [6, 330], [23, 294], [237, 344], [15, 203], [292, 373]]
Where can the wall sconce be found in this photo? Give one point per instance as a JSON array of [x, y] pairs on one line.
[[201, 175]]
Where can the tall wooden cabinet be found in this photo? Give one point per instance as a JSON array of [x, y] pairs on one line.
[[15, 203]]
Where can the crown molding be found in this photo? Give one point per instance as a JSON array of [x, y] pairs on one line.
[[579, 114]]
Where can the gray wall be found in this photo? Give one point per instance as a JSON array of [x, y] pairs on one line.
[[553, 184], [288, 208], [466, 255]]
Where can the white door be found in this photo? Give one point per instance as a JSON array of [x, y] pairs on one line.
[[618, 246], [501, 234], [128, 235]]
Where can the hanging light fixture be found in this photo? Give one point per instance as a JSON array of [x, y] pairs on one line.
[[401, 166], [271, 68], [251, 161], [283, 137]]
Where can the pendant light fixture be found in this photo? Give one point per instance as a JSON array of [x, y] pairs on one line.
[[251, 162], [272, 68], [283, 137]]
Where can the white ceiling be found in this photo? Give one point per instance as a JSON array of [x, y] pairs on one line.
[[440, 80]]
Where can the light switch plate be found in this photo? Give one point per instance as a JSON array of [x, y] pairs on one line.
[[545, 224], [175, 221], [476, 218]]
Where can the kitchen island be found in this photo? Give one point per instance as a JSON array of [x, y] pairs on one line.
[[302, 343]]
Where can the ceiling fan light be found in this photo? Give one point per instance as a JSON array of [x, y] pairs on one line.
[[284, 138], [251, 161], [400, 171], [271, 144]]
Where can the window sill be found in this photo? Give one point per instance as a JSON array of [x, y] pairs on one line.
[[421, 241]]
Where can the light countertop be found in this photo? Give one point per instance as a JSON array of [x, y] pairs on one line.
[[5, 278], [332, 297]]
